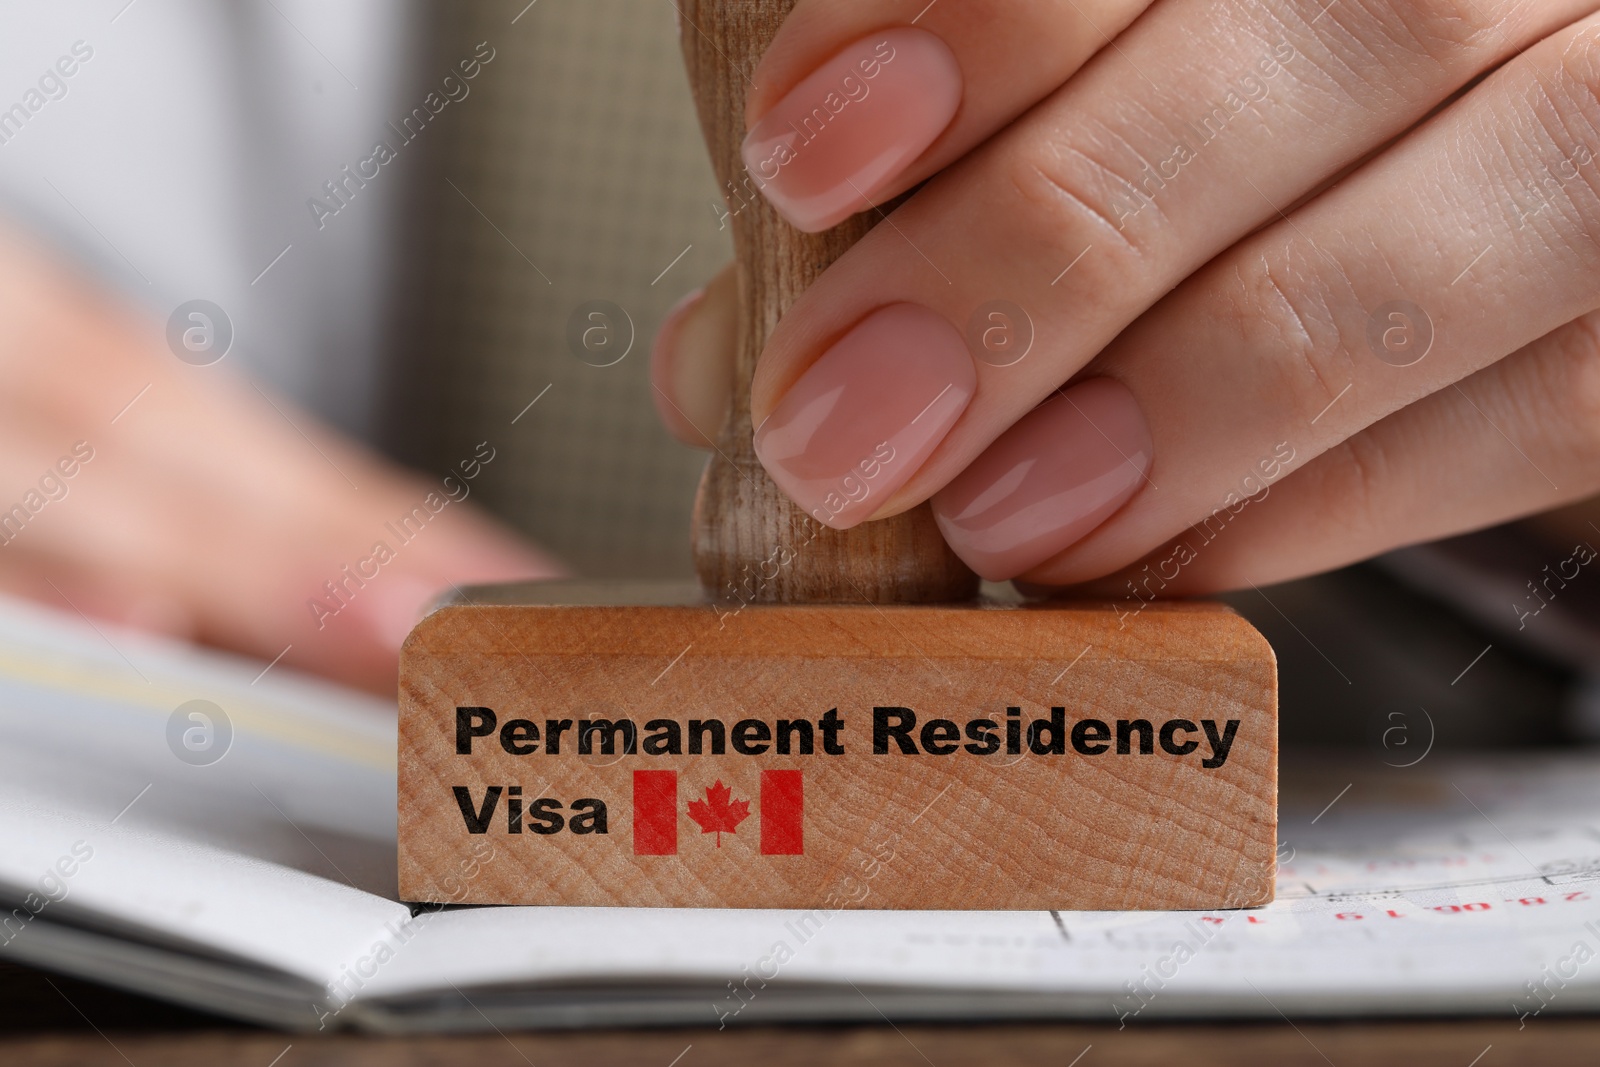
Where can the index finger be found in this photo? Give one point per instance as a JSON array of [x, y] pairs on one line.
[[856, 101]]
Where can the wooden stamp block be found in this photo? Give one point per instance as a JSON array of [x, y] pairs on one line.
[[986, 755], [837, 722]]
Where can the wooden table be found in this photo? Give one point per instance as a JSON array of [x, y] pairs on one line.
[[49, 1020]]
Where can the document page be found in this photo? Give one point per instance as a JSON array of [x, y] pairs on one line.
[[261, 881], [181, 795], [1465, 885]]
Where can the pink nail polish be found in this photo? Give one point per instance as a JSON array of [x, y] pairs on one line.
[[1055, 475], [864, 417], [853, 125]]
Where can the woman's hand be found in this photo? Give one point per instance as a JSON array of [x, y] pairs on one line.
[[1319, 275], [137, 488]]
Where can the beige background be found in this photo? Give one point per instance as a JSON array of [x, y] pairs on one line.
[[580, 144]]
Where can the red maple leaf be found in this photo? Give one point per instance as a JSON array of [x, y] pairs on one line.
[[719, 813]]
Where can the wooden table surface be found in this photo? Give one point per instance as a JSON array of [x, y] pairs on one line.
[[55, 1021]]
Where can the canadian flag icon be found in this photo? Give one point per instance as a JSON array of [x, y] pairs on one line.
[[780, 815]]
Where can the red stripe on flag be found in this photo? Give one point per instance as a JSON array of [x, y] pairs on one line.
[[783, 803], [655, 813]]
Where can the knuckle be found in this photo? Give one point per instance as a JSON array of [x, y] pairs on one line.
[[1444, 32], [1287, 318], [1546, 398], [1560, 189], [1577, 392], [1356, 472], [1578, 62], [1068, 194], [1567, 105]]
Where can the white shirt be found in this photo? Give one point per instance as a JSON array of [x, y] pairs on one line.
[[179, 157]]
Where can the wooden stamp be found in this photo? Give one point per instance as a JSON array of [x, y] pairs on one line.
[[832, 718]]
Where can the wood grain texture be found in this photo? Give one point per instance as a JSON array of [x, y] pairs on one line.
[[1029, 830], [741, 520], [864, 652]]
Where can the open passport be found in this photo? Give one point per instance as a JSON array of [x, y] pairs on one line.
[[221, 833]]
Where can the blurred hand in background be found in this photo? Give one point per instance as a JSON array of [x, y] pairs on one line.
[[182, 499]]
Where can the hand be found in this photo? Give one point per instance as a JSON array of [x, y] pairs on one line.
[[140, 489], [1319, 277]]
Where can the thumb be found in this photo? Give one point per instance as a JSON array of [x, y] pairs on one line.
[[691, 362]]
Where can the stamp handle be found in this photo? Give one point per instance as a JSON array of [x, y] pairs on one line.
[[750, 542]]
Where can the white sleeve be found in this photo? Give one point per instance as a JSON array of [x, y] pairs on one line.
[[174, 146]]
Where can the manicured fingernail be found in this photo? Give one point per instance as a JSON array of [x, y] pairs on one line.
[[864, 417], [388, 609], [846, 131], [1056, 474]]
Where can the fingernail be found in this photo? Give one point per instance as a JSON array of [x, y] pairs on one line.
[[388, 609], [1056, 474], [663, 367], [846, 131], [861, 420]]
